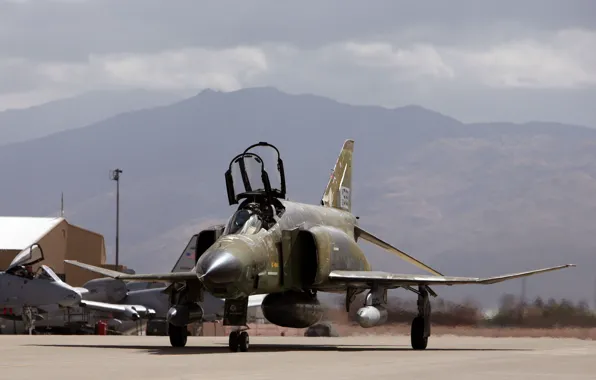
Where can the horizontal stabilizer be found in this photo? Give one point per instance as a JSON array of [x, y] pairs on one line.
[[364, 279], [157, 277], [388, 247]]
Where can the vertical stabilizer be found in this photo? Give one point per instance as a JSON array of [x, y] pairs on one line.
[[338, 193], [187, 261]]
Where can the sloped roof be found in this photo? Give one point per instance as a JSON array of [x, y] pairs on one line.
[[19, 232]]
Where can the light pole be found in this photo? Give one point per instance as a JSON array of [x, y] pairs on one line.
[[115, 175]]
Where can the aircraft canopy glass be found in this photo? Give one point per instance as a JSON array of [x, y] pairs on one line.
[[28, 256], [45, 273], [256, 171], [243, 222], [248, 179]]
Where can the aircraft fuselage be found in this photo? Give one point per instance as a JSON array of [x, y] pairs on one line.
[[255, 262]]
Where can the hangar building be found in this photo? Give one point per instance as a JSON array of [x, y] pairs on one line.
[[59, 241]]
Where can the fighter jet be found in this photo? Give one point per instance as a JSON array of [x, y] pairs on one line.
[[116, 291], [291, 251], [25, 294]]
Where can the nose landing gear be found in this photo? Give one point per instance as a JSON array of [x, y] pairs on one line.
[[178, 335], [238, 341]]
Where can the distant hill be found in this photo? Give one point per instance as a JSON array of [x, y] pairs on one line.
[[73, 112], [471, 199]]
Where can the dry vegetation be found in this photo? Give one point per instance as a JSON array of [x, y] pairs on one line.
[[560, 319], [513, 318]]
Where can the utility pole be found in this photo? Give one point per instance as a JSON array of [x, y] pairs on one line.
[[115, 175]]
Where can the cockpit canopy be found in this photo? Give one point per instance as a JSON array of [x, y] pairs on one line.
[[46, 273], [243, 222], [247, 176], [29, 256]]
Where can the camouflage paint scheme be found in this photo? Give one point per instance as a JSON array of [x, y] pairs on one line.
[[341, 263]]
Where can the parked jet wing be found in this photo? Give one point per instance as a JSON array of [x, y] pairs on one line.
[[133, 312], [157, 277], [365, 279]]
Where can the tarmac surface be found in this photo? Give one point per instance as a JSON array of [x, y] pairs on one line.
[[287, 358]]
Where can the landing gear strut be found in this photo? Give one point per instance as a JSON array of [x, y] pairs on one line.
[[235, 311], [29, 315], [421, 324], [238, 341], [178, 335]]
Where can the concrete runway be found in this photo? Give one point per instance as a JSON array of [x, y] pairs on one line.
[[287, 358]]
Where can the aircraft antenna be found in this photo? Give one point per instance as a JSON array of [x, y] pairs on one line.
[[62, 205]]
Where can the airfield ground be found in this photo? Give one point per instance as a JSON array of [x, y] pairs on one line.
[[373, 357], [395, 329]]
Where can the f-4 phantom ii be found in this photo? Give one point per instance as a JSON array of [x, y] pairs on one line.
[[290, 251], [24, 294], [114, 291]]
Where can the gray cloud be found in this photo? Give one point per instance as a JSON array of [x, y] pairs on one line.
[[73, 29], [436, 53]]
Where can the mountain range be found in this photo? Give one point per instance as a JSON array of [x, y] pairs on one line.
[[77, 111], [469, 199]]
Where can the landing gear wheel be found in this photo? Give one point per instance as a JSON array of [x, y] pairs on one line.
[[243, 341], [233, 341], [178, 335], [419, 341]]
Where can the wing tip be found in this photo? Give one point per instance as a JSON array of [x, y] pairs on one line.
[[565, 266]]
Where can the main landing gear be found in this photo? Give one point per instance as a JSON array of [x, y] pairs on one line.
[[421, 324], [238, 341], [29, 316]]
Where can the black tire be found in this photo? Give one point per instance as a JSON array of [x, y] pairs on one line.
[[233, 341], [178, 335], [243, 341], [418, 340]]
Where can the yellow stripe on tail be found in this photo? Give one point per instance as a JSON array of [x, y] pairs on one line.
[[338, 193]]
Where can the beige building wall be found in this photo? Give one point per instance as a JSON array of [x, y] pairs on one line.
[[67, 241], [87, 247], [53, 245], [6, 256]]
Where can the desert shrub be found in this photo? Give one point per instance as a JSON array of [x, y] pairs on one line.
[[511, 313]]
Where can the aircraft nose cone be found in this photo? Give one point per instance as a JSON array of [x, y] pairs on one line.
[[221, 268]]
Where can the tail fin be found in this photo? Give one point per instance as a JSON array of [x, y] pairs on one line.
[[338, 193], [187, 261]]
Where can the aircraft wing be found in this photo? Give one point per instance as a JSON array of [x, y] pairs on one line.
[[157, 277], [365, 279], [133, 312], [361, 233]]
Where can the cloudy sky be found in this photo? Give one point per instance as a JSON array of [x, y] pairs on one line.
[[474, 60]]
